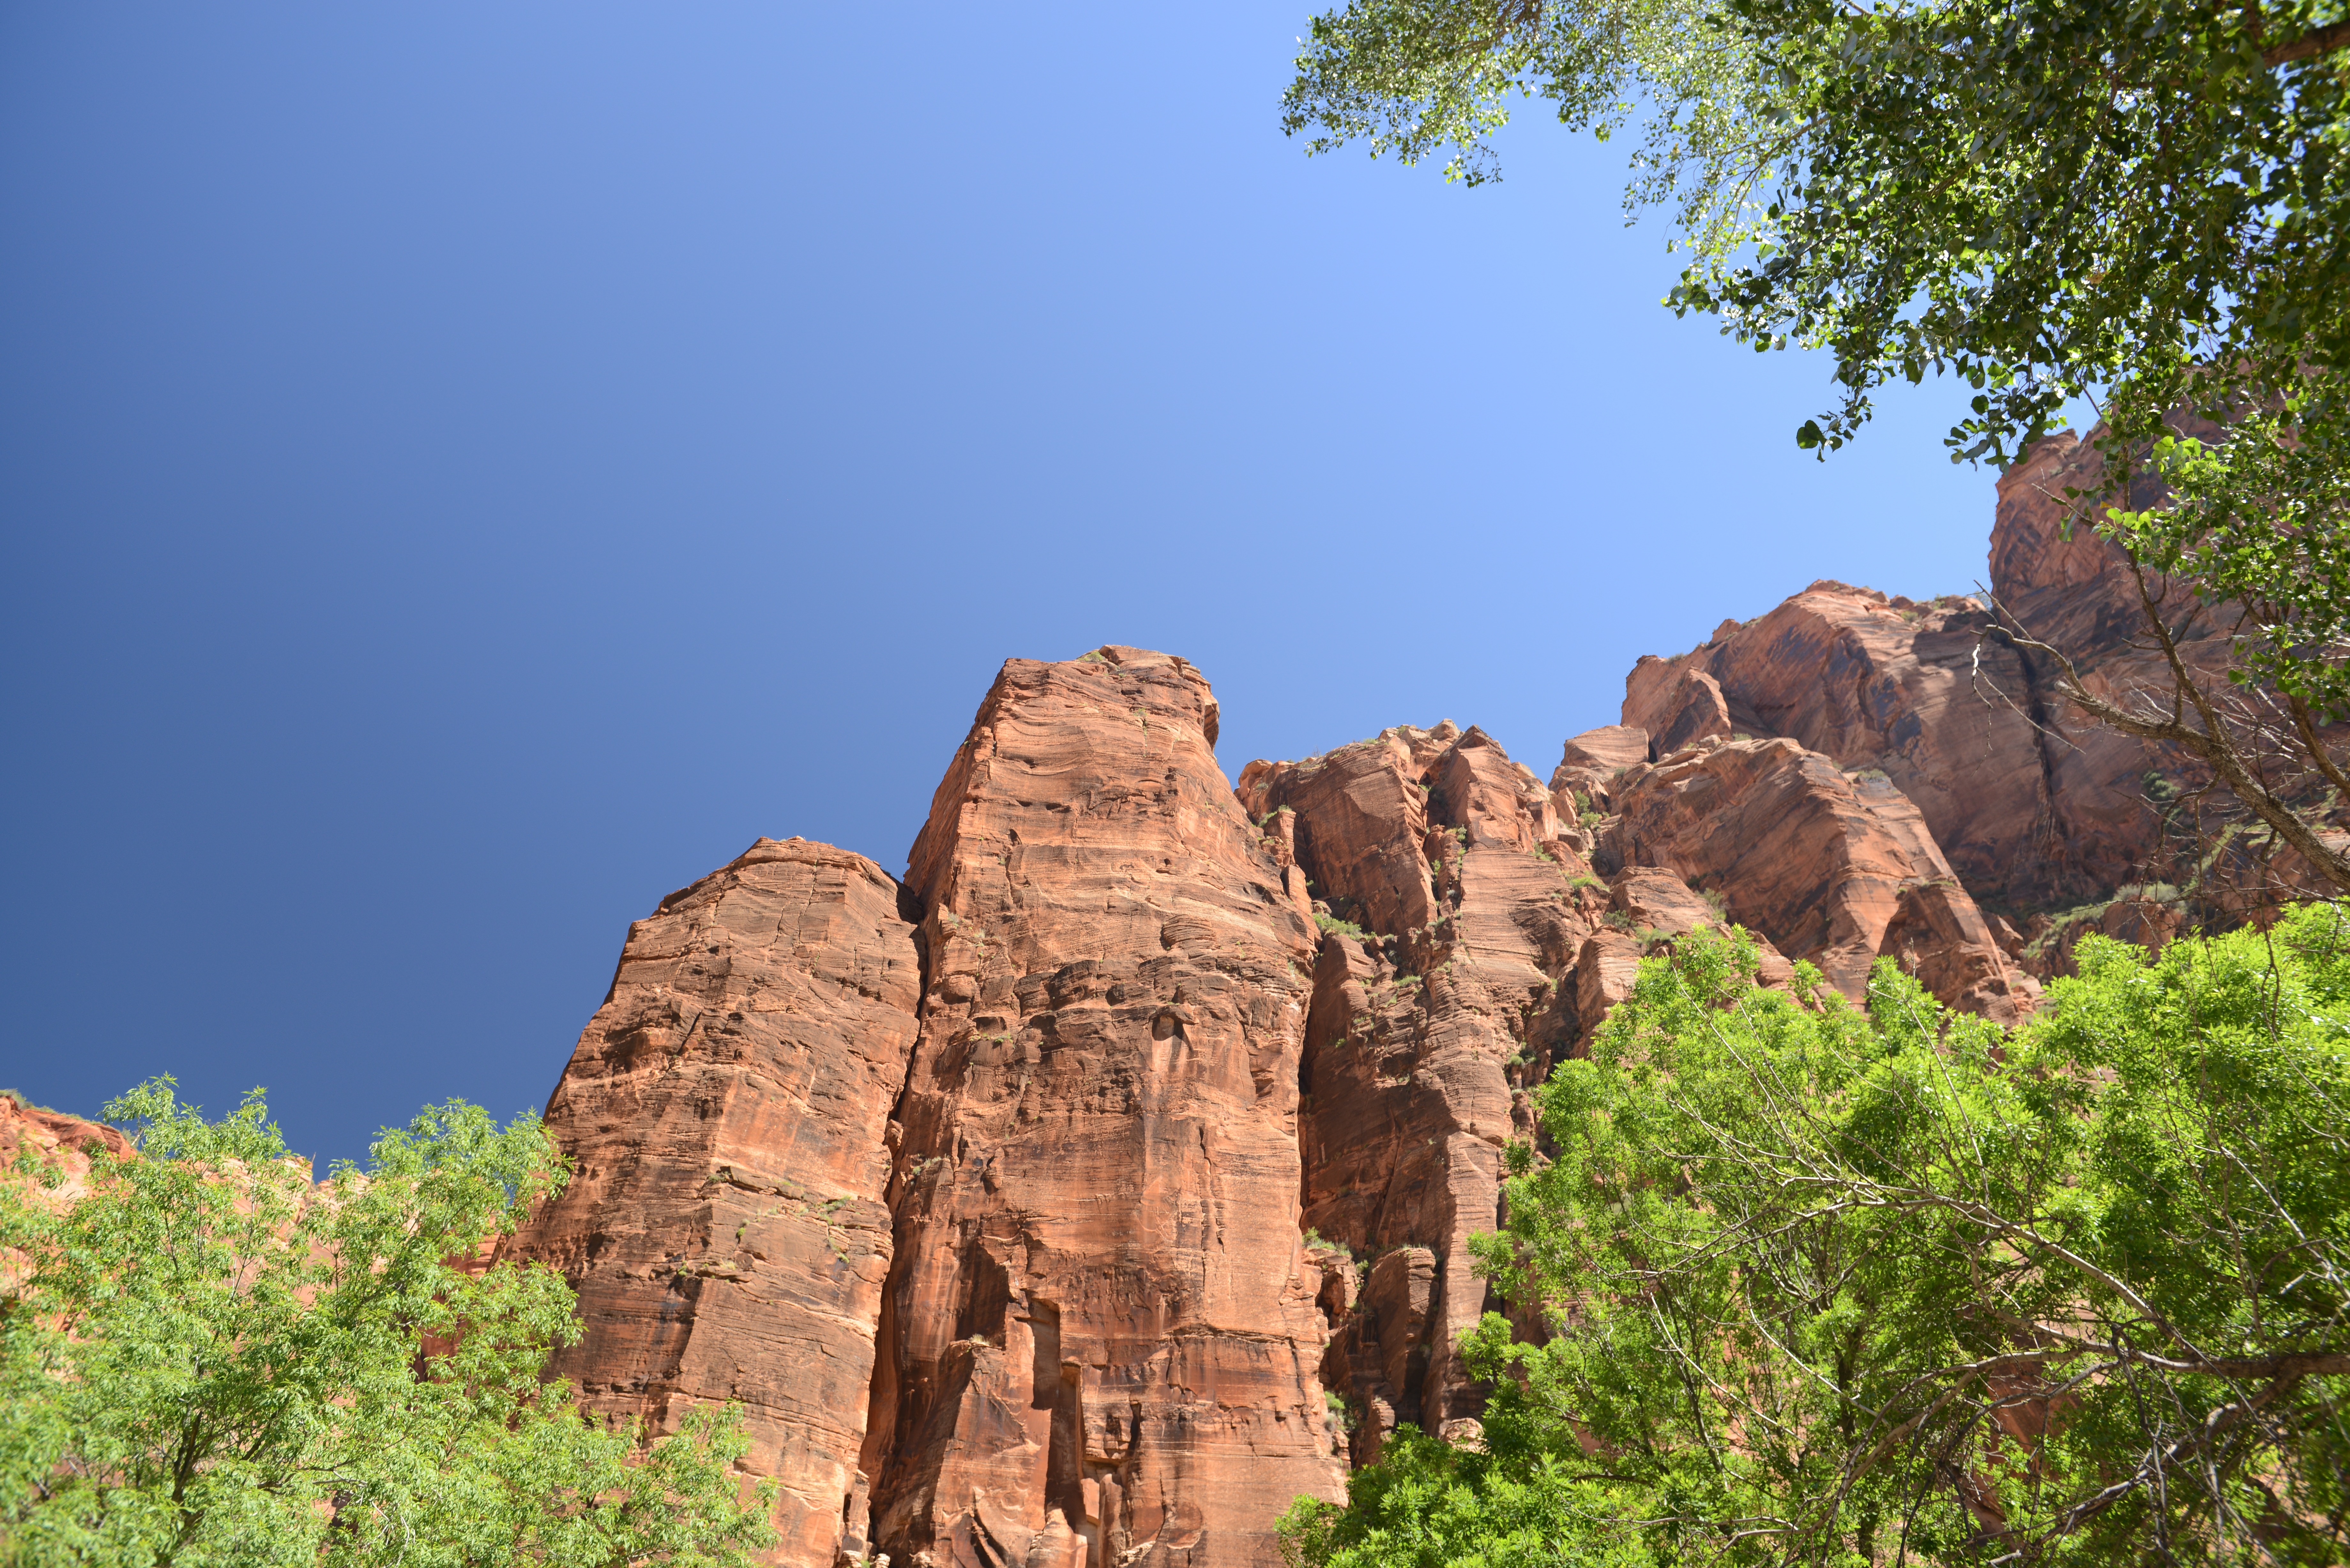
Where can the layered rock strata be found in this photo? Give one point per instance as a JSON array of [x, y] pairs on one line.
[[1835, 869], [2043, 815], [1452, 858], [1470, 945]]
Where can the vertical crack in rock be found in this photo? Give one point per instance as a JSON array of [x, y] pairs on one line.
[[1422, 1034], [1488, 950], [1102, 1339], [726, 1109]]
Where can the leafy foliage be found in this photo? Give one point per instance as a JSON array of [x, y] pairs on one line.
[[1833, 1285], [2261, 520], [2141, 202], [2044, 197], [204, 1360], [1417, 77]]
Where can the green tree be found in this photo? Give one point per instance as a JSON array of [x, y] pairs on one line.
[[1833, 1285], [2141, 202], [205, 1360]]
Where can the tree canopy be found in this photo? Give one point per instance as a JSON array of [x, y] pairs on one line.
[[1832, 1285], [206, 1361], [2046, 198]]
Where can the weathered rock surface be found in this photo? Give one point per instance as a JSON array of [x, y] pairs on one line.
[[1590, 761], [1675, 704], [2035, 807], [1915, 691], [727, 1109], [1423, 1028], [1100, 1340], [58, 1143], [1819, 863]]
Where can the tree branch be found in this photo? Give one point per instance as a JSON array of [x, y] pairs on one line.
[[2212, 744], [2319, 41]]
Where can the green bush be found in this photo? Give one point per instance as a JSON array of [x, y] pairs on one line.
[[206, 1362], [1842, 1285]]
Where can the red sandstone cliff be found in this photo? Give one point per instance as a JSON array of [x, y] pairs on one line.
[[1085, 1199], [2042, 814], [1449, 856], [1100, 1338], [56, 1141], [727, 1109]]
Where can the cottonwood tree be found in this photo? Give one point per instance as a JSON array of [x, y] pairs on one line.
[[1833, 1285], [2145, 203], [205, 1360]]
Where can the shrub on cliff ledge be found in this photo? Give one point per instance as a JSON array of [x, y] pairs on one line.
[[1830, 1286], [204, 1361]]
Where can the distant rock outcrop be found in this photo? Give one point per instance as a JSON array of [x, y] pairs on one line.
[[57, 1141]]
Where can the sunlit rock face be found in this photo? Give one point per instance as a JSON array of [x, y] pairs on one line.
[[1108, 1183], [728, 1113]]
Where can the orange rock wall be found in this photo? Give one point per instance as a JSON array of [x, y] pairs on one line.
[[1101, 1341], [1111, 1184], [727, 1109]]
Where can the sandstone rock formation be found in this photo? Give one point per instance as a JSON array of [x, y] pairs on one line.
[[2044, 815], [1100, 1337], [1036, 1211], [1915, 691], [1424, 1020], [1590, 763], [1110, 1183], [58, 1142], [1819, 863], [728, 1109]]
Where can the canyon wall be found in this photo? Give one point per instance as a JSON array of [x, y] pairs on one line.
[[1109, 1183], [1100, 1339], [727, 1111]]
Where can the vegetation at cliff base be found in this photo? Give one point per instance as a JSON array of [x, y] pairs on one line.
[[206, 1361], [1831, 1285]]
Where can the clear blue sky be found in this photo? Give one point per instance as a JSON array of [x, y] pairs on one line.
[[468, 470]]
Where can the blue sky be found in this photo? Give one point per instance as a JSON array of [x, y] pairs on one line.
[[467, 470]]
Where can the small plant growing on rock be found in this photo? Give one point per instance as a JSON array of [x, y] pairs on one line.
[[1342, 928]]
